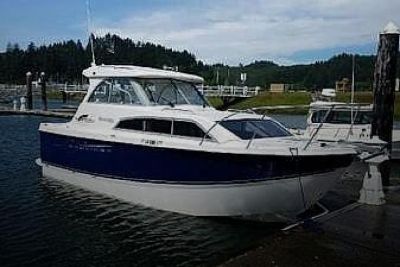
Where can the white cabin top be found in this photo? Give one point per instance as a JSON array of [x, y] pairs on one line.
[[340, 105], [126, 71]]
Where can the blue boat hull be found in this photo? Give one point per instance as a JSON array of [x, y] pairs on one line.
[[165, 165]]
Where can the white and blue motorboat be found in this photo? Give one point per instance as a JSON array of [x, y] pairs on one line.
[[149, 137]]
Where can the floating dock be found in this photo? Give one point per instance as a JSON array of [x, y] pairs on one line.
[[67, 114], [354, 235]]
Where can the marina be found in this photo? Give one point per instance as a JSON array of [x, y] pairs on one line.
[[343, 227], [241, 177], [238, 144]]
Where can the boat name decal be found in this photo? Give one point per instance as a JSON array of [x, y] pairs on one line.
[[110, 120], [91, 147]]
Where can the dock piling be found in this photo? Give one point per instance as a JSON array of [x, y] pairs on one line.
[[385, 83], [23, 103], [43, 85], [29, 96], [384, 88], [15, 104]]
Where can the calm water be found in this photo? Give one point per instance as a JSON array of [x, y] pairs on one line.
[[46, 223]]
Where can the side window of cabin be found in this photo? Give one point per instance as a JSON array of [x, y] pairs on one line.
[[133, 124], [101, 93], [189, 129], [123, 92], [364, 117], [158, 126], [180, 128], [116, 91], [342, 117], [319, 116]]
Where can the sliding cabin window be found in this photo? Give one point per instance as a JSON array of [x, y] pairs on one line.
[[255, 128], [148, 125], [117, 91], [342, 117], [164, 126], [158, 126], [135, 124], [188, 129]]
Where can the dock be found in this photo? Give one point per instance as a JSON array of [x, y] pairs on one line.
[[353, 235], [67, 114]]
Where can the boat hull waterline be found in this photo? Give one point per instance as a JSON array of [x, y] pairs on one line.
[[275, 200]]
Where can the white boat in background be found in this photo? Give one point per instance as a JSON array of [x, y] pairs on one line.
[[149, 137], [342, 122], [346, 122]]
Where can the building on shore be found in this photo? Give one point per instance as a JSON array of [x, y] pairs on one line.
[[285, 87]]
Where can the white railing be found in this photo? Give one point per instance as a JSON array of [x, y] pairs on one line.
[[11, 87], [210, 91], [230, 91], [234, 91], [70, 88]]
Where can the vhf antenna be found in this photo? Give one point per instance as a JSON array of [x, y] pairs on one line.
[[89, 23]]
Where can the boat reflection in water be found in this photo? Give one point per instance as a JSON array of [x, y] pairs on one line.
[[149, 137]]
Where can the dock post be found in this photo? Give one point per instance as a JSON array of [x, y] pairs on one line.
[[371, 192], [15, 104], [44, 95], [29, 96], [384, 87], [23, 103]]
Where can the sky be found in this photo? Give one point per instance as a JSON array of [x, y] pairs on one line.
[[216, 31]]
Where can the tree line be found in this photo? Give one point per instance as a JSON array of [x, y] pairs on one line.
[[63, 62]]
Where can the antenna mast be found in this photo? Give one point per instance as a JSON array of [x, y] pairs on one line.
[[353, 64], [89, 23], [352, 78]]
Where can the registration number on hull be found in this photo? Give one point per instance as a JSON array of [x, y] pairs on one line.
[[151, 142]]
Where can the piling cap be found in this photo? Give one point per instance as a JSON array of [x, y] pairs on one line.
[[391, 28]]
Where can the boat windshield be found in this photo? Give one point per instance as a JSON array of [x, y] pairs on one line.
[[172, 92], [247, 129], [130, 91]]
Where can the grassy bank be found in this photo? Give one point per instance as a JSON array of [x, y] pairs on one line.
[[298, 98]]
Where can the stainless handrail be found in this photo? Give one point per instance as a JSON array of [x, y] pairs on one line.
[[352, 123], [254, 134], [214, 125], [319, 127]]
